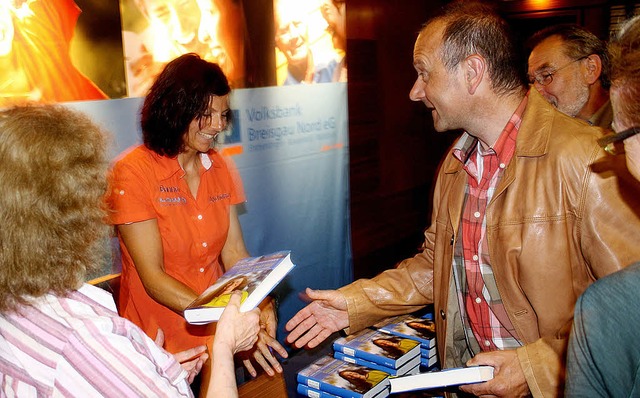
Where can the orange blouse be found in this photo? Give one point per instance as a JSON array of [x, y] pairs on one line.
[[144, 186]]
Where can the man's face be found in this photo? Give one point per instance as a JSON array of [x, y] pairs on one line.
[[435, 86], [568, 90], [210, 28], [291, 35], [180, 17], [335, 15]]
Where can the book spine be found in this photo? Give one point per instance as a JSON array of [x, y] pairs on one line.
[[428, 362], [324, 386], [307, 391], [379, 359], [427, 353]]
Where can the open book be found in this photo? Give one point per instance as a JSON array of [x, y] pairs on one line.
[[255, 277], [443, 378]]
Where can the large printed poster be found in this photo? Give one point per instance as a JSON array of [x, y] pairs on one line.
[[310, 39], [53, 51], [66, 50], [156, 31]]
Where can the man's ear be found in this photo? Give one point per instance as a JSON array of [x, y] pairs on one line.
[[474, 69], [592, 68]]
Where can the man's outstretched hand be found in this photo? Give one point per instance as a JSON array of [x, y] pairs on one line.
[[323, 316]]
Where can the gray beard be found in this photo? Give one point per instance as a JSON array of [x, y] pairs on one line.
[[575, 108]]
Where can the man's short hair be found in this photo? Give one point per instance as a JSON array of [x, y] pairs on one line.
[[476, 28], [578, 43]]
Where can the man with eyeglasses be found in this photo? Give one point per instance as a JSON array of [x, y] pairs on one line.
[[569, 66]]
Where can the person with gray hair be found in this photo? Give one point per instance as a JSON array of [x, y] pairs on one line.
[[569, 66], [604, 347]]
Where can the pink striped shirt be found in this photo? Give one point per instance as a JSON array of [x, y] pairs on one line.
[[78, 346]]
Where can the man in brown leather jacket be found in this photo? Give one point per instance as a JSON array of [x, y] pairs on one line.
[[528, 211]]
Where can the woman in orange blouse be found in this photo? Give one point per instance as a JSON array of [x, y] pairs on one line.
[[173, 204]]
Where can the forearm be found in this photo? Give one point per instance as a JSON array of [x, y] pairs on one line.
[[169, 292], [222, 383], [231, 257], [234, 248], [393, 292], [143, 243]]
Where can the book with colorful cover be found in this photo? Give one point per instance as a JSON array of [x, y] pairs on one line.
[[344, 379], [382, 348], [442, 378], [411, 367], [255, 277], [410, 326]]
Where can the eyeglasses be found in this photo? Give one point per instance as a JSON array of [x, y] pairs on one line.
[[545, 78], [612, 143]]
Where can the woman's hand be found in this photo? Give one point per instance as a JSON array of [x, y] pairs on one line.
[[262, 353], [237, 331], [191, 359]]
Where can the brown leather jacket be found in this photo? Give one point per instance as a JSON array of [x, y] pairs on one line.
[[560, 218]]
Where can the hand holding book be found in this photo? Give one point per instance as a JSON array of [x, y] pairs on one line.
[[508, 372], [254, 276], [443, 378]]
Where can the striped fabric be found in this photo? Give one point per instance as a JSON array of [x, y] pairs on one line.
[[77, 346]]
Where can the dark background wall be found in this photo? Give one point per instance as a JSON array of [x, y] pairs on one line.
[[394, 150]]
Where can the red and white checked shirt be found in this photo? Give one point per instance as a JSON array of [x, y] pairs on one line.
[[478, 292]]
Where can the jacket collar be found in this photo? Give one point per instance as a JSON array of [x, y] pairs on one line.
[[534, 132]]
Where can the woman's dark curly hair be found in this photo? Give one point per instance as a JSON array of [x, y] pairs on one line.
[[180, 94]]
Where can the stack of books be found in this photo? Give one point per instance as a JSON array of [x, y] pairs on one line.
[[419, 327], [400, 350], [391, 354]]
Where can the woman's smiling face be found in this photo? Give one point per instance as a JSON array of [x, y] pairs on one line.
[[203, 131]]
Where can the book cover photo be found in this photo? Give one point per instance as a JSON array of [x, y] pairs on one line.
[[411, 367], [344, 379], [382, 348], [411, 327], [255, 277]]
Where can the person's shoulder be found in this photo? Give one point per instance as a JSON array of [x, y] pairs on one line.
[[541, 114], [140, 159], [624, 281], [134, 154]]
